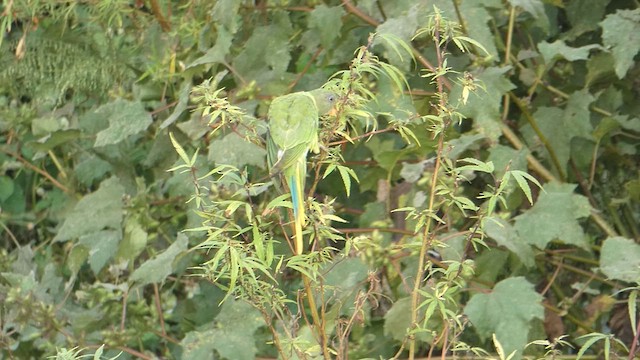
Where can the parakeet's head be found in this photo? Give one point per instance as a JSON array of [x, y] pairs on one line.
[[325, 100]]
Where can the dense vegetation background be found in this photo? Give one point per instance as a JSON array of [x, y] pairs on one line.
[[99, 99]]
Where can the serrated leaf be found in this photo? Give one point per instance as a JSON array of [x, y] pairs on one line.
[[559, 49], [183, 101], [346, 174], [342, 280], [236, 151], [125, 118], [216, 54], [232, 336], [620, 259], [521, 178], [326, 22], [506, 312], [397, 321], [560, 126], [505, 235], [554, 216], [484, 105], [621, 33], [584, 18], [99, 210], [134, 242], [467, 141], [266, 56], [225, 12], [157, 269], [102, 246], [534, 7], [506, 156], [403, 28]]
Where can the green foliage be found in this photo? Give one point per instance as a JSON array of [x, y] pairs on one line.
[[476, 186], [506, 312]]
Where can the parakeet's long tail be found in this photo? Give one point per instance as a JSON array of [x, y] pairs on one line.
[[296, 186]]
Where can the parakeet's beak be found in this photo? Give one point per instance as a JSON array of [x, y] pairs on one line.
[[333, 111]]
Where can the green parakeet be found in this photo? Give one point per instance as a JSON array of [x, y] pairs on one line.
[[293, 131]]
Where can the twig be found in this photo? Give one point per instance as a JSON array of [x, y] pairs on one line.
[[55, 182]]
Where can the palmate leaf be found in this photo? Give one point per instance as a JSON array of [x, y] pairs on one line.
[[506, 312], [554, 216], [521, 178], [559, 49], [231, 335], [620, 259], [125, 118], [157, 269], [97, 211], [621, 32]]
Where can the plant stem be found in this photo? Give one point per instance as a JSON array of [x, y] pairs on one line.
[[317, 321], [426, 239]]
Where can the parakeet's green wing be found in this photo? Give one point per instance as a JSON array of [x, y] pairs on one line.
[[293, 120], [293, 131]]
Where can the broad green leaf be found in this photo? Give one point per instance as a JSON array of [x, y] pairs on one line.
[[628, 123], [534, 7], [600, 69], [402, 27], [6, 188], [584, 18], [216, 54], [99, 210], [505, 235], [157, 269], [620, 259], [225, 13], [125, 118], [477, 21], [559, 49], [102, 246], [555, 216], [135, 240], [231, 335], [506, 312], [577, 115], [325, 23], [467, 141], [342, 280], [560, 126], [55, 139], [234, 150], [397, 321], [621, 33], [265, 56], [183, 101], [484, 105], [504, 157], [91, 168], [374, 212], [385, 152], [412, 172]]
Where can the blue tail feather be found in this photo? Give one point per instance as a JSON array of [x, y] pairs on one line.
[[295, 200]]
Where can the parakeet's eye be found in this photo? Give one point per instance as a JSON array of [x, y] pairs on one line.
[[331, 98]]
